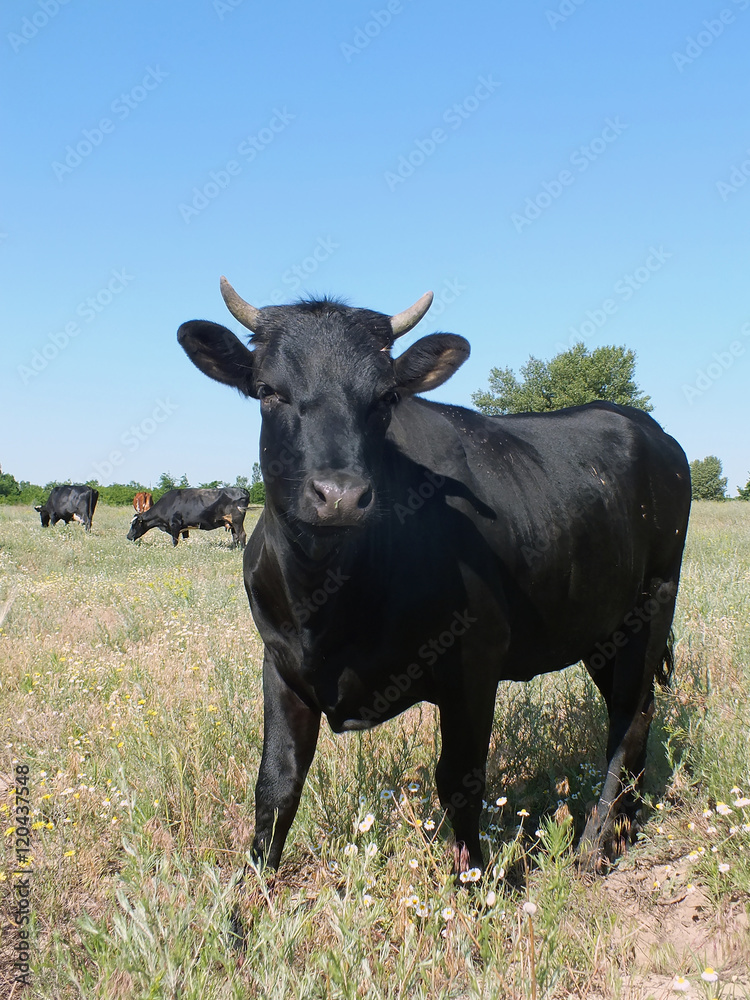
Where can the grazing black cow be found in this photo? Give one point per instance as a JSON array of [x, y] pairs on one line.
[[69, 503], [414, 551], [178, 510]]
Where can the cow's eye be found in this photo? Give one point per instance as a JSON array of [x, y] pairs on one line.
[[267, 392], [390, 398]]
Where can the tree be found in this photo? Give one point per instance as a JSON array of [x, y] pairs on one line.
[[743, 492], [707, 480], [257, 486], [166, 482], [9, 487], [183, 483], [572, 377]]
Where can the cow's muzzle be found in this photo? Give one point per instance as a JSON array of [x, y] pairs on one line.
[[337, 499]]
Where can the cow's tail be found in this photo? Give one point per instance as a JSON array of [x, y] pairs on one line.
[[93, 497], [666, 666]]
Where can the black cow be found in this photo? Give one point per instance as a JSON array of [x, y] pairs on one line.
[[178, 510], [69, 503], [414, 551]]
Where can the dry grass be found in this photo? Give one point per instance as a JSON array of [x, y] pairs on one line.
[[130, 685]]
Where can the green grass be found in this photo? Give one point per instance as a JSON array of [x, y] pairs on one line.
[[130, 686]]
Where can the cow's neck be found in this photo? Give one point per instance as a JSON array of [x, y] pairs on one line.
[[308, 557]]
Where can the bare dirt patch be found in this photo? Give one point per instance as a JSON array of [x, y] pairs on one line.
[[668, 927]]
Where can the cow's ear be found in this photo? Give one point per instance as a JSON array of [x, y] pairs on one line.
[[218, 353], [430, 362]]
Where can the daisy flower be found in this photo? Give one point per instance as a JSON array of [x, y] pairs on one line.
[[366, 823]]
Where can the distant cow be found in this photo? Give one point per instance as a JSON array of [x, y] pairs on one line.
[[413, 551], [142, 502], [69, 503], [179, 510]]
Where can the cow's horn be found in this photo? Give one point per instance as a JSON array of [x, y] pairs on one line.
[[248, 315], [404, 321]]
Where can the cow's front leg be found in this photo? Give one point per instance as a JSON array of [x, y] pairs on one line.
[[465, 728], [290, 735]]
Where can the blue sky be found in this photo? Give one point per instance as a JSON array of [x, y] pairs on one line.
[[553, 171]]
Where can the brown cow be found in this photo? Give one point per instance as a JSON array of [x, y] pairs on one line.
[[142, 502]]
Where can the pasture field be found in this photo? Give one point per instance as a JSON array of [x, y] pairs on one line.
[[130, 689]]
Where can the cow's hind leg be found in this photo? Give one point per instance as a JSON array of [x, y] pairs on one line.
[[639, 653]]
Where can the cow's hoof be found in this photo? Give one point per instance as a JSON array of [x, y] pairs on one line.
[[592, 861], [236, 933], [464, 869]]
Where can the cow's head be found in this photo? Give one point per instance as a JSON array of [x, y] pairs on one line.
[[43, 513], [327, 386], [137, 528]]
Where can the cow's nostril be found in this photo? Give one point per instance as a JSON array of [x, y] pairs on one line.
[[366, 499]]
